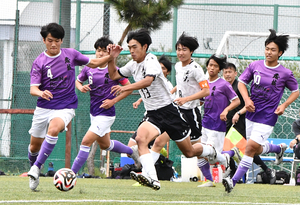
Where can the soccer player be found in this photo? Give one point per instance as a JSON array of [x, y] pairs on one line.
[[162, 115], [102, 109], [216, 109], [166, 67], [53, 81], [237, 117], [269, 80]]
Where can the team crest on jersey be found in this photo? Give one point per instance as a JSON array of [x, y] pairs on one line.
[[144, 72], [213, 91], [275, 78], [186, 76], [106, 78], [68, 62]]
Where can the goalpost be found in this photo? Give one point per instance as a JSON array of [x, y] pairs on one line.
[[242, 48]]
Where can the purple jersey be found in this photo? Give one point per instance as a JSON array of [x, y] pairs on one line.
[[267, 88], [57, 74], [220, 93], [100, 85]]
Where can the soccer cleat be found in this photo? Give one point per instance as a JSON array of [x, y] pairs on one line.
[[279, 156], [147, 181], [271, 173], [34, 174], [236, 157], [228, 184], [134, 176], [207, 183], [227, 165], [136, 156]]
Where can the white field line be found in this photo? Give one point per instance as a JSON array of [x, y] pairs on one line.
[[131, 201]]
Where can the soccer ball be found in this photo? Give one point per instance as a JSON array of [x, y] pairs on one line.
[[64, 179]]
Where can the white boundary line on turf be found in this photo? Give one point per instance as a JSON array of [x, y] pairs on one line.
[[131, 201]]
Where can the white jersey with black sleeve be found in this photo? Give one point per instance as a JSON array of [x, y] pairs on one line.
[[187, 80], [157, 95]]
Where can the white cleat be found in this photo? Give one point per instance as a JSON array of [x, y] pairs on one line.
[[227, 165], [136, 156], [279, 156], [34, 177], [147, 181]]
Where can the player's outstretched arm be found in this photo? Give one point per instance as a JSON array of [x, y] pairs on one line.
[[281, 108], [108, 103], [234, 103], [82, 88], [35, 91], [114, 51], [116, 90], [250, 107], [99, 62], [201, 94]]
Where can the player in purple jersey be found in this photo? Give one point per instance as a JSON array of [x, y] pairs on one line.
[[53, 81], [102, 109], [269, 80], [214, 119], [162, 115]]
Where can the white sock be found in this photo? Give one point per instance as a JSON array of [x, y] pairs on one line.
[[148, 165], [266, 148], [154, 155], [207, 150]]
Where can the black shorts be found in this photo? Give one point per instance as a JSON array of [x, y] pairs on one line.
[[193, 117], [169, 119]]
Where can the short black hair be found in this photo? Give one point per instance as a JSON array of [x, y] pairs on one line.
[[221, 61], [281, 41], [102, 42], [141, 35], [187, 41], [230, 65], [56, 30], [165, 61]]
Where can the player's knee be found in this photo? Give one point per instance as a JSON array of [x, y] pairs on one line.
[[188, 154], [53, 131]]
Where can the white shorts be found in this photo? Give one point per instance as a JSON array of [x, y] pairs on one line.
[[215, 137], [258, 132], [100, 125], [42, 117]]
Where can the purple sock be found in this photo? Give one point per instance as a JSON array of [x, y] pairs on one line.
[[46, 150], [119, 147], [230, 152], [240, 172], [205, 169], [273, 148], [32, 156], [80, 160]]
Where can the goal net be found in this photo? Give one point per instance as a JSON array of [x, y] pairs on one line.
[[242, 48]]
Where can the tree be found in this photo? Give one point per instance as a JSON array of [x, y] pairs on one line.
[[149, 14]]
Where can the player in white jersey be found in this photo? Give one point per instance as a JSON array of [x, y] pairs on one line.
[[162, 115]]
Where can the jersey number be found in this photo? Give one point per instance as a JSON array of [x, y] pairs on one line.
[[146, 93], [90, 80], [49, 74], [257, 79]]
